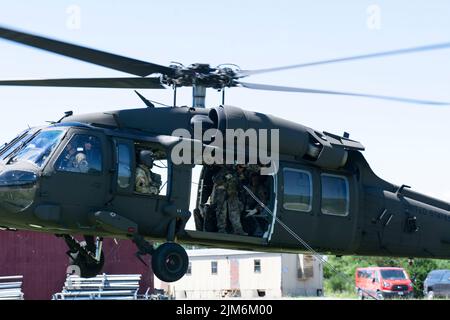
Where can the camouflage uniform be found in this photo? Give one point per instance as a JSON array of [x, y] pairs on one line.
[[225, 197], [147, 182]]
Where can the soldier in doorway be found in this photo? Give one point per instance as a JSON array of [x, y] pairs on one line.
[[225, 197]]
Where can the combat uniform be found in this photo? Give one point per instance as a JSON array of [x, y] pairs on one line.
[[225, 198], [147, 181]]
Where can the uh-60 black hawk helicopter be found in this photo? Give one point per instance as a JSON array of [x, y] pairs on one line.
[[323, 188]]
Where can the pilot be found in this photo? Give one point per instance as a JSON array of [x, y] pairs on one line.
[[226, 199], [87, 154], [147, 182], [82, 154]]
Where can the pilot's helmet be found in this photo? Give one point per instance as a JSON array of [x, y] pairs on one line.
[[147, 157], [81, 162]]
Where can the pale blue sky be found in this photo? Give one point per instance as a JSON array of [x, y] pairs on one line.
[[405, 143]]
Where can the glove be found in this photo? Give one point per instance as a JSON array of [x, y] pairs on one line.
[[250, 212]]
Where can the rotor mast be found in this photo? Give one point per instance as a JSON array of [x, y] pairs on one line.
[[198, 96]]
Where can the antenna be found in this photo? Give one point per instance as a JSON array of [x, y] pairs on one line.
[[145, 100], [66, 114]]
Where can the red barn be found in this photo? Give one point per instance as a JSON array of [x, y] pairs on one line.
[[42, 260]]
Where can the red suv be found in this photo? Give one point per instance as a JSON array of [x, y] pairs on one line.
[[383, 282]]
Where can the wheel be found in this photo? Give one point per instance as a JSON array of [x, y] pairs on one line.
[[380, 295], [360, 294], [430, 295], [170, 262], [87, 269]]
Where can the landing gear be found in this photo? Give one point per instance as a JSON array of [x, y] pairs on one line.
[[169, 261], [87, 256]]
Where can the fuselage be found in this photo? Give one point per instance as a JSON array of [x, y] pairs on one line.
[[322, 189]]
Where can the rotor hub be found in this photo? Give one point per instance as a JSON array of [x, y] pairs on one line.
[[200, 74]]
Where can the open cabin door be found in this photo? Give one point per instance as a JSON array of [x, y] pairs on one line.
[[203, 224]]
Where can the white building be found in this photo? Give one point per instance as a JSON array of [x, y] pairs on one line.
[[219, 273]]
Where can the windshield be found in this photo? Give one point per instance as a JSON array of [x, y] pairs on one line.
[[38, 149], [446, 277], [7, 148], [393, 274]]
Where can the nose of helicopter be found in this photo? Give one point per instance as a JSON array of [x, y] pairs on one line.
[[17, 190]]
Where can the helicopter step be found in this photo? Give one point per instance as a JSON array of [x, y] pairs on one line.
[[215, 237], [169, 261], [86, 257]]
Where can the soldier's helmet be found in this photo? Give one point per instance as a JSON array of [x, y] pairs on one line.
[[146, 157]]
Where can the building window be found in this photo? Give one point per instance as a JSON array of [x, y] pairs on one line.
[[189, 270], [213, 267], [257, 266], [297, 193], [335, 195]]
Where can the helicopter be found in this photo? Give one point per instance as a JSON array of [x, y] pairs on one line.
[[322, 187]]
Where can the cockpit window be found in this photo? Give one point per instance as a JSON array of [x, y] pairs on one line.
[[38, 149], [8, 148], [83, 154]]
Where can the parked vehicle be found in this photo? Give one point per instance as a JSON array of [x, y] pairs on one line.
[[383, 282], [437, 284]]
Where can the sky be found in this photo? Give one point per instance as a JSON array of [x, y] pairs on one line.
[[405, 144]]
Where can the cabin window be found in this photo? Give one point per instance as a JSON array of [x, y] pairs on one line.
[[297, 193], [257, 266], [83, 154], [124, 166], [213, 267], [335, 195]]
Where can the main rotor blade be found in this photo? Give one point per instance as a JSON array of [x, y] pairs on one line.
[[101, 58], [363, 95], [438, 46], [129, 83]]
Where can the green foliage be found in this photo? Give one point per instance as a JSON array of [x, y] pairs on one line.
[[335, 283]]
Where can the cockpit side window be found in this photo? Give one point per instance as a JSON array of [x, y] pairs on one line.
[[83, 154], [8, 148]]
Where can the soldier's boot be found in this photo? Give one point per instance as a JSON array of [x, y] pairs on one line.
[[240, 231], [237, 226]]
